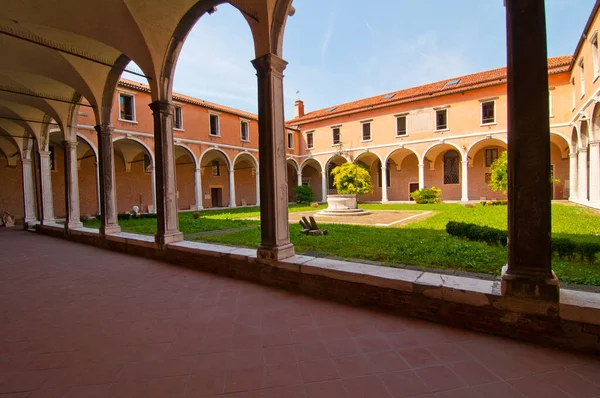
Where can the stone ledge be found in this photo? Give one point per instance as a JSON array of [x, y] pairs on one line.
[[133, 239]]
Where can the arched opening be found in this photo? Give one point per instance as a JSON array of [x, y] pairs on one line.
[[292, 179], [246, 179], [403, 166], [584, 162], [481, 155], [11, 178], [57, 173], [88, 178], [371, 162], [312, 175], [443, 170], [214, 171], [331, 164], [185, 164], [559, 163], [134, 174]]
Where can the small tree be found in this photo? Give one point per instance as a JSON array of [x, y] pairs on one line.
[[499, 174], [352, 179], [304, 194]]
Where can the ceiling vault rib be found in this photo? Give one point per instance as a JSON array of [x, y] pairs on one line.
[[28, 120], [37, 95], [63, 49]]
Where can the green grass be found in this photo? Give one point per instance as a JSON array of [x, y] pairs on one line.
[[424, 243]]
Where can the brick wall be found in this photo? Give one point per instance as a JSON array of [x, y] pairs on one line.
[[58, 182], [185, 184], [88, 196], [132, 184], [11, 189], [245, 184]]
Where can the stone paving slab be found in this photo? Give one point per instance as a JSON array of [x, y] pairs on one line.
[[378, 218], [79, 321]]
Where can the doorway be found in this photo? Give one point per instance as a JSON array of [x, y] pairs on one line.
[[216, 195], [412, 187]]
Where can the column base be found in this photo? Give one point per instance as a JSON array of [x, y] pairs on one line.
[[165, 239], [531, 287], [73, 225], [47, 221], [110, 229], [276, 253], [232, 206]]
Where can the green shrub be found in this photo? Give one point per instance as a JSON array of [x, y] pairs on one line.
[[352, 178], [427, 195], [564, 248], [304, 194], [587, 251], [196, 215]]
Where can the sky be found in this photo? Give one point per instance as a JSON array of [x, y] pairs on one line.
[[340, 50]]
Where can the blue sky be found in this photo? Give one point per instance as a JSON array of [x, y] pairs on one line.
[[340, 50]]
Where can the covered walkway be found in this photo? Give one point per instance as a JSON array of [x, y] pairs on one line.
[[79, 321]]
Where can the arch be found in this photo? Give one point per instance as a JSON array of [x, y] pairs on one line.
[[574, 139], [475, 145], [458, 149], [89, 142], [189, 151], [254, 160], [389, 155], [584, 134], [142, 143], [305, 161], [296, 165], [596, 122], [558, 139], [217, 150], [367, 153]]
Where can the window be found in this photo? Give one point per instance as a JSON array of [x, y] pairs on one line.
[[582, 77], [214, 124], [366, 131], [216, 168], [309, 141], [594, 41], [400, 125], [488, 112], [573, 93], [177, 118], [451, 83], [244, 133], [290, 142], [387, 175], [441, 119], [490, 156], [126, 107], [451, 167], [335, 132]]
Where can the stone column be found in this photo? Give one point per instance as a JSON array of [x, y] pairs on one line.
[[232, 187], [198, 188], [299, 178], [529, 270], [46, 182], [324, 186], [582, 173], [594, 171], [28, 191], [465, 181], [107, 182], [257, 187], [153, 183], [72, 185], [384, 193], [166, 185], [421, 175], [275, 235], [98, 187], [573, 182]]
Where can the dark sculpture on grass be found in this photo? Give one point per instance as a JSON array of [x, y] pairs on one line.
[[311, 227]]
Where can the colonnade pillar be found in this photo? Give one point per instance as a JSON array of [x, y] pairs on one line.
[[198, 188], [582, 174], [465, 181], [384, 182], [324, 186], [166, 185], [106, 181], [421, 175], [529, 270], [46, 182], [299, 177], [595, 171], [275, 235], [573, 178], [28, 191], [232, 187], [72, 185], [257, 187], [153, 184]]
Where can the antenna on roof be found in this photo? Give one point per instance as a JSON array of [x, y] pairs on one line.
[[297, 94]]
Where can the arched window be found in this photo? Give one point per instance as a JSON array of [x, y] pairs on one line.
[[451, 167]]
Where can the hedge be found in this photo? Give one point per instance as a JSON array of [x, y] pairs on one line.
[[128, 216], [563, 247]]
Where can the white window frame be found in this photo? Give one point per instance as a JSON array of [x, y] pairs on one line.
[[405, 116], [175, 108], [550, 89], [247, 122], [290, 141], [581, 65], [573, 94], [362, 133], [483, 102], [339, 128], [595, 54], [132, 96], [442, 109], [312, 134], [210, 115]]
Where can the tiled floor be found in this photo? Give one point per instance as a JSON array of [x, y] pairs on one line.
[[82, 322]]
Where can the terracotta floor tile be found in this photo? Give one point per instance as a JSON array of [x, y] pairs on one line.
[[285, 392], [386, 361], [572, 383], [439, 378], [167, 387], [128, 389], [245, 380], [366, 387], [461, 393], [285, 374], [589, 372], [353, 366], [206, 384], [404, 384], [473, 373], [342, 347], [326, 389], [536, 387], [211, 362], [168, 367], [243, 359], [313, 350], [23, 381], [279, 354], [372, 343], [97, 391], [418, 357], [318, 370]]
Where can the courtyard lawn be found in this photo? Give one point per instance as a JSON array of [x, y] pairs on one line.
[[425, 243]]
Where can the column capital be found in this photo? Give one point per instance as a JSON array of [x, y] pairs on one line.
[[465, 162], [583, 150], [421, 165], [161, 107], [269, 63], [594, 143], [70, 144], [44, 153], [573, 155], [104, 129], [25, 160]]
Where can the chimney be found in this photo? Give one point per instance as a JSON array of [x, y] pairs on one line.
[[298, 109]]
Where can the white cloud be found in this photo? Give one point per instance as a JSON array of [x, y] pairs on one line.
[[328, 34]]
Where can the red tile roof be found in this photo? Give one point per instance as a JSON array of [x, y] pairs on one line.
[[190, 100], [469, 82]]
